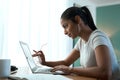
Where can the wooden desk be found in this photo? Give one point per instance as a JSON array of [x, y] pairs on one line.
[[75, 77], [27, 71]]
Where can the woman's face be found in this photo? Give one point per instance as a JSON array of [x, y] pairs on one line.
[[70, 28]]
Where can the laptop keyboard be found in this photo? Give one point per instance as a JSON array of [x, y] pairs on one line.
[[43, 70]]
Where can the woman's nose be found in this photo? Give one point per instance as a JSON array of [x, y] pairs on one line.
[[65, 32]]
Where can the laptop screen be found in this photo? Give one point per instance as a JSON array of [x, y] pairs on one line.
[[28, 54]]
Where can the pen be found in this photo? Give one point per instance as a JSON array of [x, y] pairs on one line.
[[40, 51], [38, 56]]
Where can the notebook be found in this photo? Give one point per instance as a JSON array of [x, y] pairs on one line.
[[38, 77], [35, 68]]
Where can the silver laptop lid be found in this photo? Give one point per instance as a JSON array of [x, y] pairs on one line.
[[28, 55]]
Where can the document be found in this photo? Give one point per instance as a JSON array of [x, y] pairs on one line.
[[40, 77]]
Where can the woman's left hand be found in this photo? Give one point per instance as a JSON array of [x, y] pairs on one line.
[[65, 69]]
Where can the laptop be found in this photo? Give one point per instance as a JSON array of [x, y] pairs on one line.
[[35, 68]]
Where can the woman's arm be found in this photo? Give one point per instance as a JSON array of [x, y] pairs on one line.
[[74, 55], [103, 69]]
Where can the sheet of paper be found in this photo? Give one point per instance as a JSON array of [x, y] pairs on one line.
[[42, 77]]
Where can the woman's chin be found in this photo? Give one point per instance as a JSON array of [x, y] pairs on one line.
[[72, 37]]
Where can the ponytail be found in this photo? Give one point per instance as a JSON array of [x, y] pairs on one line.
[[89, 19]]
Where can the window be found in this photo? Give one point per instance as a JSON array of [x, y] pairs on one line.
[[35, 22]]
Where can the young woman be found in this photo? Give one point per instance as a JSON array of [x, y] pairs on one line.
[[96, 53]]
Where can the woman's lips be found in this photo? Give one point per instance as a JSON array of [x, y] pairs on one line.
[[69, 35]]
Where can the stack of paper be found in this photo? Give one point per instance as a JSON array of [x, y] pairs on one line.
[[41, 77]]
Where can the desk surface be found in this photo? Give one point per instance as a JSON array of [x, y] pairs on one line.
[[27, 71], [75, 77]]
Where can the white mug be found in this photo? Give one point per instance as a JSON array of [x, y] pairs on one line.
[[4, 67]]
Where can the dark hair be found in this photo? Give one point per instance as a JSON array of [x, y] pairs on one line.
[[83, 12]]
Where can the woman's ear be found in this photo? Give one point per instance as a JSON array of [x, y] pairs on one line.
[[77, 19]]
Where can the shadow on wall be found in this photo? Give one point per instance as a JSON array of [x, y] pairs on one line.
[[115, 38]]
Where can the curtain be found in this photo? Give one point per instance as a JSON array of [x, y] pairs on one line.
[[35, 22]]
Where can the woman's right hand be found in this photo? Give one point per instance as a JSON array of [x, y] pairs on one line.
[[40, 55]]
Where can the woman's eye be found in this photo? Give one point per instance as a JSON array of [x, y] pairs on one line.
[[65, 26]]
